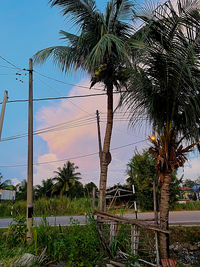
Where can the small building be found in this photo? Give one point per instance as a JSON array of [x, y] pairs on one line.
[[118, 195], [7, 195]]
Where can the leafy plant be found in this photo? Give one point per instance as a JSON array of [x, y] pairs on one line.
[[17, 231]]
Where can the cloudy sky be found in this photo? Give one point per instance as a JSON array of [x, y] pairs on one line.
[[27, 27]]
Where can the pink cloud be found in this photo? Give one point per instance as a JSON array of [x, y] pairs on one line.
[[71, 142]]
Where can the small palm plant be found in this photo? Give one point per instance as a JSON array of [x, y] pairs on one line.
[[165, 87], [65, 178], [102, 50]]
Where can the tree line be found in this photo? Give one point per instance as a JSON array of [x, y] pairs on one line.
[[65, 182]]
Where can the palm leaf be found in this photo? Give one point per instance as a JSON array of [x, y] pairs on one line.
[[81, 10]]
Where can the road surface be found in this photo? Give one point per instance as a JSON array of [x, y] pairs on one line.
[[175, 218]]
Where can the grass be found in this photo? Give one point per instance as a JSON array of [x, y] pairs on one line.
[[188, 234], [46, 207], [65, 206], [74, 245], [192, 205]]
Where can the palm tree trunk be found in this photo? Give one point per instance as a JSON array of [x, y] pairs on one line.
[[164, 214], [106, 156]]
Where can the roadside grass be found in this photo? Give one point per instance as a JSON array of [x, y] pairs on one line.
[[192, 205], [74, 245], [46, 207], [184, 234], [61, 206]]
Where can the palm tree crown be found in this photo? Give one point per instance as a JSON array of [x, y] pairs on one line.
[[100, 48], [65, 178]]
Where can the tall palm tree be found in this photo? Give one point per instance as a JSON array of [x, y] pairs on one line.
[[165, 87], [101, 49], [66, 177]]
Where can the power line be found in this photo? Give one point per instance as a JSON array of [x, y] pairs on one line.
[[10, 63], [72, 158], [56, 90], [83, 121], [3, 66], [71, 84], [58, 98]]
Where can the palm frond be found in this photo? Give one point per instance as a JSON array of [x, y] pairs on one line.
[[109, 44], [81, 10]]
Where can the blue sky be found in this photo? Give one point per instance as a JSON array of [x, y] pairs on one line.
[[26, 27]]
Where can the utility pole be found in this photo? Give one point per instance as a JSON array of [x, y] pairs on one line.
[[99, 136], [5, 99], [29, 213], [100, 150]]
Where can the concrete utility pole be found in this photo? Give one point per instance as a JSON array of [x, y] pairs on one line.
[[100, 149], [99, 136], [5, 99], [29, 213]]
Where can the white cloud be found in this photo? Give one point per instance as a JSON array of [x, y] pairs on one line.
[[42, 172], [15, 181]]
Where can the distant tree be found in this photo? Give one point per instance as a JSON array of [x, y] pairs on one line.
[[76, 190], [189, 183], [5, 184], [44, 190], [89, 188], [65, 178], [21, 190], [142, 173]]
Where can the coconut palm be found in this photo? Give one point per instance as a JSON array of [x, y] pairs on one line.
[[65, 178], [165, 87], [101, 49]]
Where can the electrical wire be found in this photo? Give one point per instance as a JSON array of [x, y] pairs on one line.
[[3, 66], [71, 84], [83, 121], [56, 90], [57, 98], [10, 63], [71, 158]]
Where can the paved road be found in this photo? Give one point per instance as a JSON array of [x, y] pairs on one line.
[[175, 218]]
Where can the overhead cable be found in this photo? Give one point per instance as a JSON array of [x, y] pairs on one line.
[[71, 158]]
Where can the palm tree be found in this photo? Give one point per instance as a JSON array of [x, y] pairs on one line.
[[101, 49], [44, 190], [164, 86], [66, 177], [5, 184]]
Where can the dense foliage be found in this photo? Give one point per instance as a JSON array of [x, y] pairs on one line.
[[141, 171]]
